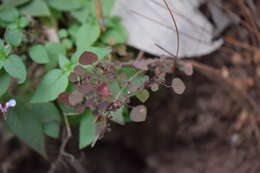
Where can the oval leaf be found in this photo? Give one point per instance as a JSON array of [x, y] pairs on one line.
[[143, 95], [65, 5], [75, 98], [54, 50], [87, 34], [52, 84], [39, 54], [88, 58], [15, 67], [36, 8], [138, 113], [178, 86], [4, 83], [87, 130], [14, 37]]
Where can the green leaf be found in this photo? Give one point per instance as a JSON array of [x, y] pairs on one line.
[[101, 53], [14, 37], [52, 129], [15, 67], [65, 5], [50, 118], [63, 33], [39, 54], [63, 61], [67, 43], [87, 34], [114, 87], [87, 130], [31, 121], [13, 3], [118, 116], [1, 64], [82, 15], [73, 30], [107, 6], [143, 95], [52, 84], [36, 8], [3, 53], [23, 122], [4, 83], [22, 22], [9, 14], [117, 35], [54, 50]]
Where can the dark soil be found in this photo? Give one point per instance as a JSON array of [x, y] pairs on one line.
[[205, 130]]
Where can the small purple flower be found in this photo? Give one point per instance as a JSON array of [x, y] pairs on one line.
[[5, 106]]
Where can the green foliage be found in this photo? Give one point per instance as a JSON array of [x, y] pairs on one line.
[[36, 8], [15, 67], [87, 129], [52, 84], [25, 49], [88, 34], [31, 122], [13, 3], [115, 35], [4, 81], [63, 33], [8, 14], [39, 54], [65, 5], [143, 95], [54, 50], [118, 116], [107, 6], [14, 37], [64, 63]]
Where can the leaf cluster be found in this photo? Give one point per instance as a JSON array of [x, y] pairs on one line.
[[58, 59]]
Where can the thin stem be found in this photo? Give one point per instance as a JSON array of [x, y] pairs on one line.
[[124, 87], [175, 25]]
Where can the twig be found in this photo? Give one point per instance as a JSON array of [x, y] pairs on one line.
[[140, 55], [175, 26], [100, 17], [249, 18], [242, 45], [60, 160]]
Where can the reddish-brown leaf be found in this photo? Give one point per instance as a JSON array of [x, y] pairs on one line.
[[86, 88], [88, 58], [79, 70], [80, 108], [73, 77], [103, 90], [64, 99], [75, 98], [91, 103], [102, 107]]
